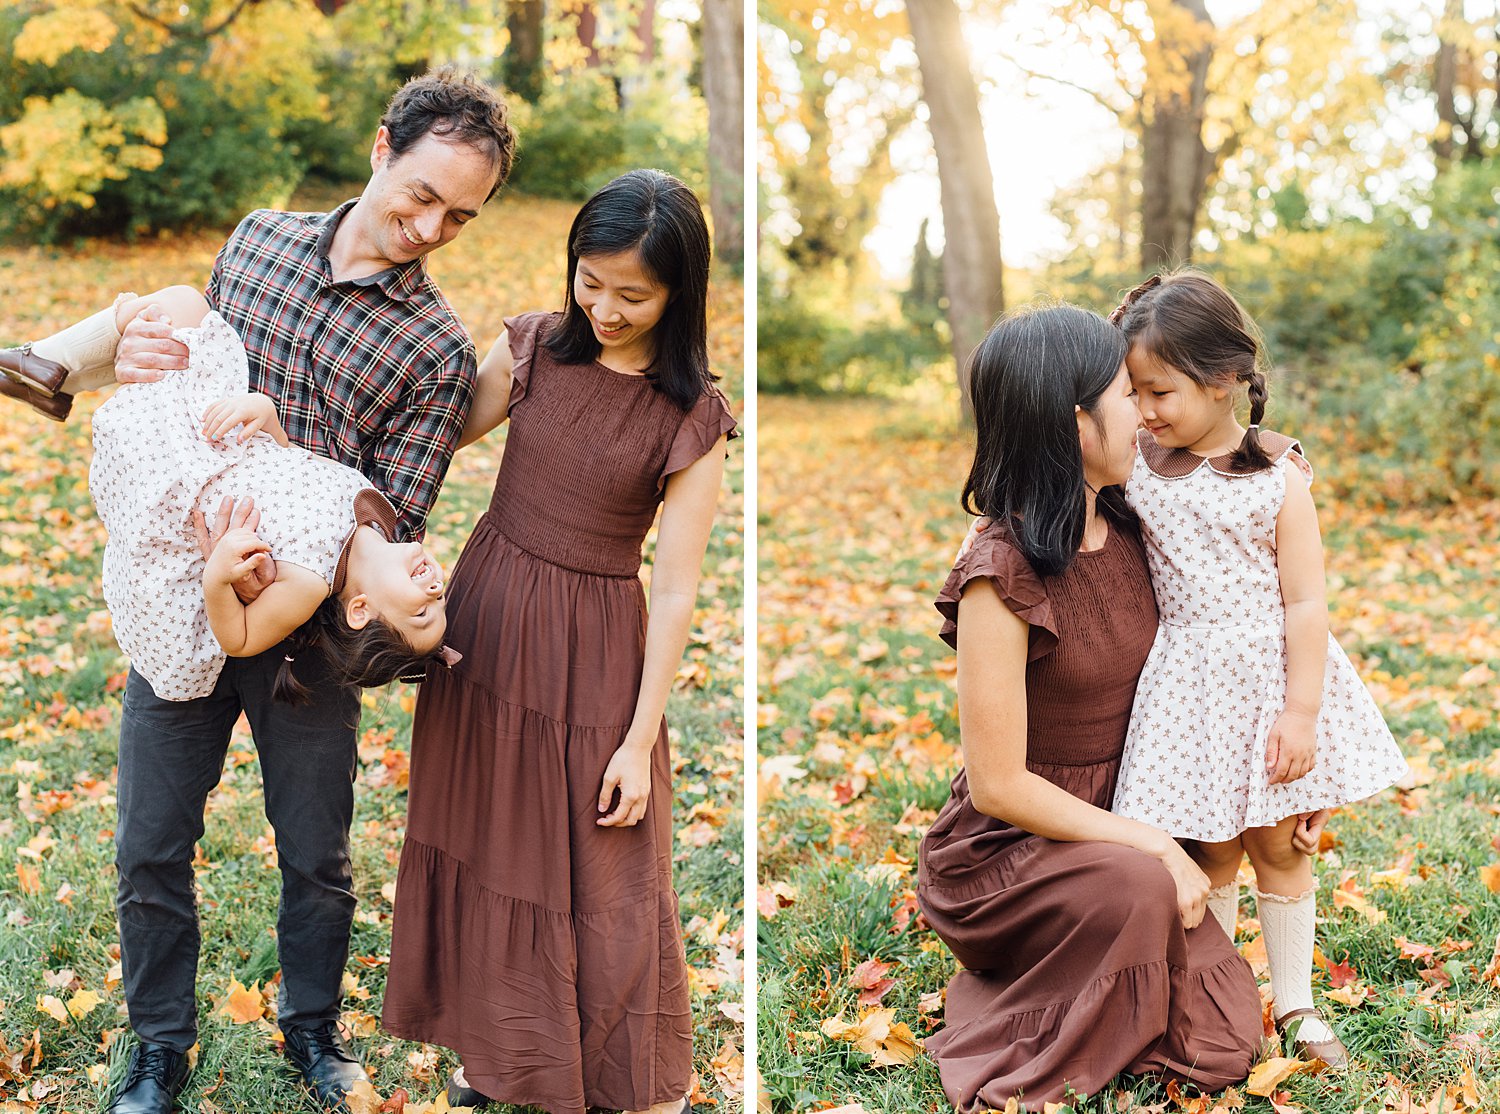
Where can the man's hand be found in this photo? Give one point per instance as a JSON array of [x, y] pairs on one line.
[[240, 515], [147, 351]]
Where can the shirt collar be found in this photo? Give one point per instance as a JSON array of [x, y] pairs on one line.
[[370, 509], [1176, 464], [400, 282]]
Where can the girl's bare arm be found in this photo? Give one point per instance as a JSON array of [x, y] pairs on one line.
[[244, 630], [1299, 561]]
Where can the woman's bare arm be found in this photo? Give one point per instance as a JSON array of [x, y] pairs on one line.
[[992, 649]]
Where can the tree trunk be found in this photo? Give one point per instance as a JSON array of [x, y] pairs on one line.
[[1444, 85], [1175, 165], [971, 222], [645, 30], [724, 89], [521, 65]]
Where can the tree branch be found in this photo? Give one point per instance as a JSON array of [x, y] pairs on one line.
[[185, 30], [1098, 97]]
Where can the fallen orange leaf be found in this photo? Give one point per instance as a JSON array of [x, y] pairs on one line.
[[1269, 1074], [243, 1005]]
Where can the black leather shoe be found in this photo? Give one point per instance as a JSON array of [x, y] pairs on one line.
[[155, 1075], [56, 408], [21, 365], [467, 1096], [328, 1067]]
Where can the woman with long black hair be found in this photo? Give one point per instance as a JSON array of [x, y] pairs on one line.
[[1081, 934], [536, 930]]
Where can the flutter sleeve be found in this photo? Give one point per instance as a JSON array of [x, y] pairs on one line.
[[994, 555], [706, 422], [523, 334]]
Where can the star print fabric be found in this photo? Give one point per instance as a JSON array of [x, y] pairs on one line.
[[1215, 681], [151, 468]]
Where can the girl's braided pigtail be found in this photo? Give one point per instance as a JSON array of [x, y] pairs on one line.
[[1251, 455]]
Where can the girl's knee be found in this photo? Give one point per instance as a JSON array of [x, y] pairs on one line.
[[1272, 847], [1211, 856], [185, 306]]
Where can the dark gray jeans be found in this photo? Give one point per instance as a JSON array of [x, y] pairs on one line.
[[171, 757]]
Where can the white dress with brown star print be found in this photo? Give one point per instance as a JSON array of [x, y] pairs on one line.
[[152, 468], [1215, 682]]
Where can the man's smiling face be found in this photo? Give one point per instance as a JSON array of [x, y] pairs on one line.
[[421, 199]]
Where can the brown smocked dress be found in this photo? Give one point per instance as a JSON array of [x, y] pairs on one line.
[[1076, 967], [542, 948]]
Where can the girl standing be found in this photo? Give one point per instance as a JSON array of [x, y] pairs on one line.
[[537, 931], [1248, 715]]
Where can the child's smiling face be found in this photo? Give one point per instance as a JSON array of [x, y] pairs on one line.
[[1176, 411]]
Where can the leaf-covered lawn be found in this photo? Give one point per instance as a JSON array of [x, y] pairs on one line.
[[859, 521], [61, 1006]]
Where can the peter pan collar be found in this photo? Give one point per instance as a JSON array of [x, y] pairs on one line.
[[1176, 464], [370, 509]]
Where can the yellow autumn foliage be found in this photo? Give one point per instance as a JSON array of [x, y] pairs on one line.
[[47, 37], [65, 147]]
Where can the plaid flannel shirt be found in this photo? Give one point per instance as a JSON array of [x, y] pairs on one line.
[[376, 373]]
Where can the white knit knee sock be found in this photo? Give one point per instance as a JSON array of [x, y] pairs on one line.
[[1288, 924], [86, 349], [1224, 904]]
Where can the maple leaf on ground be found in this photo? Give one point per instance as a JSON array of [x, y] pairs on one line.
[[887, 1042], [30, 878], [728, 1066], [1271, 1073], [364, 1099], [1410, 949], [242, 1004], [1341, 973], [869, 979], [1492, 972], [83, 1002], [1490, 876], [772, 899], [1352, 995], [1196, 1105], [1348, 895], [52, 1006]]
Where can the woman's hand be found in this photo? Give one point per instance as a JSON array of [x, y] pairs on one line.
[[238, 556], [1192, 884], [1292, 747], [629, 771], [255, 412]]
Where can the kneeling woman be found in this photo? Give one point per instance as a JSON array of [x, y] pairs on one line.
[[1081, 935], [536, 928]]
